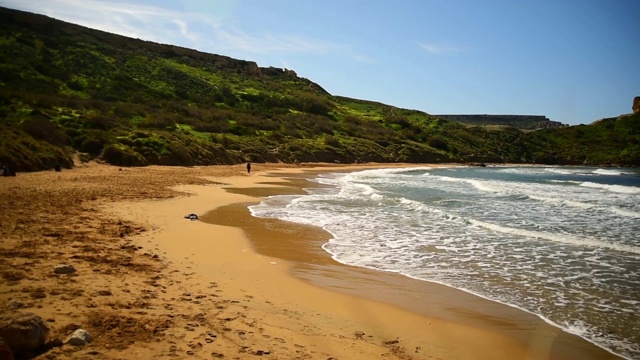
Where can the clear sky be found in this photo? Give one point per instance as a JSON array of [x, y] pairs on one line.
[[575, 61]]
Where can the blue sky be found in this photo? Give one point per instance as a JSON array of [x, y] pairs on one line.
[[575, 61]]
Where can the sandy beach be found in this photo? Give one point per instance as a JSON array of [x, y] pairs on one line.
[[152, 284]]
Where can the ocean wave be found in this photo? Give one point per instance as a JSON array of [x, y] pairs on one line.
[[482, 185], [523, 170], [563, 171], [625, 212], [585, 206], [459, 228], [564, 238], [608, 172], [560, 201], [599, 338], [622, 189]]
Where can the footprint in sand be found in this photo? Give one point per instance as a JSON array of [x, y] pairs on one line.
[[212, 337]]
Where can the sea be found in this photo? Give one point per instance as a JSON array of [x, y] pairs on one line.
[[562, 243]]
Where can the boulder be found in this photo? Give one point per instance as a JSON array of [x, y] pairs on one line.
[[636, 104], [79, 337], [5, 352], [64, 269], [23, 331]]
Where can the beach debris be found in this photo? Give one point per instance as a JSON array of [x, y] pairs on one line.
[[64, 269], [23, 331], [80, 337], [15, 304], [193, 217]]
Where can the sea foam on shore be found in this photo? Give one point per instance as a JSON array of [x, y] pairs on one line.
[[558, 242]]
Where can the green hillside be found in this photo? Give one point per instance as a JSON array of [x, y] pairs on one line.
[[67, 89]]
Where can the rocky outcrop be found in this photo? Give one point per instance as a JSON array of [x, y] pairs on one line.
[[636, 104], [23, 332], [526, 122], [549, 124]]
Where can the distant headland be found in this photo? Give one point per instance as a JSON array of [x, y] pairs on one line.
[[525, 122]]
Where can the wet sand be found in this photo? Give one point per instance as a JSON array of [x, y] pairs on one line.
[[151, 284]]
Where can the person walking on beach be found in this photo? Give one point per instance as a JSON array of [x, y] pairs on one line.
[[248, 168]]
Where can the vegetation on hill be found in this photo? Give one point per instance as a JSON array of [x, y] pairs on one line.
[[67, 89]]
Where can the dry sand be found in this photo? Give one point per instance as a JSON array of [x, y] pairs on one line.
[[151, 284]]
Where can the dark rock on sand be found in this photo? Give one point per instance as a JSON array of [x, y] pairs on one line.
[[79, 337], [193, 217], [64, 269], [5, 352], [23, 331]]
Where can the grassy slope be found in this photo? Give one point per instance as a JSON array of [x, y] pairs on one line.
[[67, 89]]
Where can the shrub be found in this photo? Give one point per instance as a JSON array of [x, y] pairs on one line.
[[437, 142], [101, 122], [158, 121], [122, 156], [41, 128], [92, 146], [331, 141], [310, 103]]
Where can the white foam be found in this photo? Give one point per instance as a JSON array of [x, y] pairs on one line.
[[631, 302], [586, 206], [476, 236], [613, 188], [486, 186], [608, 172], [560, 201], [521, 170], [563, 238], [450, 179], [560, 171], [583, 330], [482, 185], [625, 212]]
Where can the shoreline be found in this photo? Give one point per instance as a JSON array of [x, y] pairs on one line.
[[445, 303], [151, 283]]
